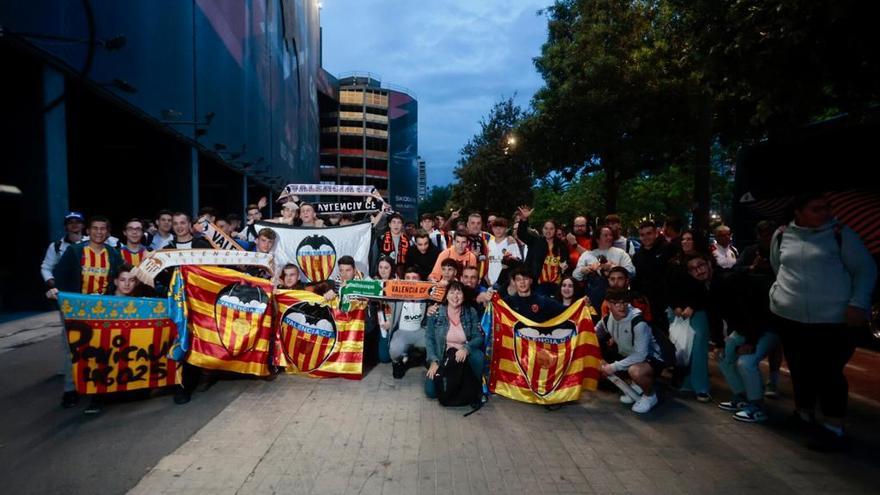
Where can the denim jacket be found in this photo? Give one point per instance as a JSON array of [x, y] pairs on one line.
[[438, 327]]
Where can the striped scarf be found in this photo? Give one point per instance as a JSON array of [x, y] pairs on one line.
[[388, 247]]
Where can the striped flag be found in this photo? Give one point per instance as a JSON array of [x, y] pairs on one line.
[[229, 315], [317, 339], [118, 344], [543, 363]]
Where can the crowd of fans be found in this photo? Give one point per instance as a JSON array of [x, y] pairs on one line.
[[800, 290]]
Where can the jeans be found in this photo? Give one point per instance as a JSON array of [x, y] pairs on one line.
[[697, 378], [741, 371], [403, 340], [66, 364], [475, 360]]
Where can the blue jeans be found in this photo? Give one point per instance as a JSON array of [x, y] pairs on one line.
[[475, 360], [741, 371], [697, 379]]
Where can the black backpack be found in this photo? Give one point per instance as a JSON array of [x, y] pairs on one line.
[[456, 384], [667, 348]]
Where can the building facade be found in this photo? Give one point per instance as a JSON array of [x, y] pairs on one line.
[[423, 180], [370, 137], [111, 108]]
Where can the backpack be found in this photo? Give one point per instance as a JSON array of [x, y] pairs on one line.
[[667, 348], [456, 384]]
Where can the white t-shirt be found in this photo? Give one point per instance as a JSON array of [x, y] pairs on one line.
[[496, 256], [411, 314]]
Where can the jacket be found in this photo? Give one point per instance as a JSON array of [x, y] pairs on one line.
[[68, 271], [634, 342], [538, 249], [438, 327], [817, 277]]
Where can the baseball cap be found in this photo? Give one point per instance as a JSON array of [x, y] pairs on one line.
[[74, 215]]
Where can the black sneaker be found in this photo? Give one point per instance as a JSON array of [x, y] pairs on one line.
[[182, 397], [94, 408], [825, 440], [398, 369], [69, 399]]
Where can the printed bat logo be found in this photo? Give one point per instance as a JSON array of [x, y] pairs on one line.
[[544, 354], [316, 257], [238, 314], [308, 335]]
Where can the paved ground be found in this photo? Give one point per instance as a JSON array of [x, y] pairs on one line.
[[301, 435], [48, 450]]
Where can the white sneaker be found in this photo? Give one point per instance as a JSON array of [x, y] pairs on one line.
[[625, 399], [645, 404]]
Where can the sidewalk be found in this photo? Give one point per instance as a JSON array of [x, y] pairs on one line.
[[29, 330], [380, 435]]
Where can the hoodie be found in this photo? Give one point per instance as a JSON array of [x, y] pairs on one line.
[[817, 277]]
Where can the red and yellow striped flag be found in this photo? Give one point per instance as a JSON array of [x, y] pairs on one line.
[[317, 339], [230, 319], [543, 363]]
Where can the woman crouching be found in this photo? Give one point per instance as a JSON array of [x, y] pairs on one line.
[[453, 326]]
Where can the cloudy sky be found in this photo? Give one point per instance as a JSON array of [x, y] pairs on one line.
[[458, 56]]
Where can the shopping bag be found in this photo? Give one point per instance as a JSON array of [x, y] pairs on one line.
[[682, 336]]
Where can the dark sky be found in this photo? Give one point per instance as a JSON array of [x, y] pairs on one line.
[[458, 57]]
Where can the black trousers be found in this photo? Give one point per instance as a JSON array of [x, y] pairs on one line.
[[816, 354]]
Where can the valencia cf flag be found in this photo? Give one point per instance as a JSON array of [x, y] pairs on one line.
[[230, 319], [317, 339], [543, 363]]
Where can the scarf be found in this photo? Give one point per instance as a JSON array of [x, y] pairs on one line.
[[388, 247]]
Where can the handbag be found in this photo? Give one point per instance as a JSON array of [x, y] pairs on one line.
[[681, 334]]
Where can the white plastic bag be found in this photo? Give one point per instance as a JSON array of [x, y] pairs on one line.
[[682, 336]]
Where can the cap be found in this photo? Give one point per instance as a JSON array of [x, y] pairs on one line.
[[74, 215], [291, 205]]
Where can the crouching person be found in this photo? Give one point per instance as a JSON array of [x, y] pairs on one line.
[[453, 328], [629, 346], [408, 329]]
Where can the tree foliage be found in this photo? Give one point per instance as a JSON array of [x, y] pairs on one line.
[[492, 175], [615, 98], [436, 199]]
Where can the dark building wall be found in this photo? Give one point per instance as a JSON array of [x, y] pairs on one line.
[[403, 116], [73, 139]]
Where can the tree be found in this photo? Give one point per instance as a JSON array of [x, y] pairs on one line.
[[436, 200], [615, 99], [492, 175]]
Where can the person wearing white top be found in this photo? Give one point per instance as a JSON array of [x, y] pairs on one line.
[[723, 251], [502, 248], [603, 258]]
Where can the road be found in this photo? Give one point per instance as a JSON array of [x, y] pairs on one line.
[[45, 449]]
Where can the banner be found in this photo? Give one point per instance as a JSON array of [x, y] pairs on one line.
[[365, 205], [316, 250], [403, 290], [230, 318], [217, 238], [543, 363], [118, 344], [318, 340], [159, 260], [332, 189]]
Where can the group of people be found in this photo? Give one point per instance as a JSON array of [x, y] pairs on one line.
[[801, 290]]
